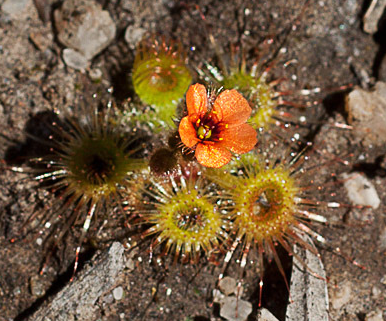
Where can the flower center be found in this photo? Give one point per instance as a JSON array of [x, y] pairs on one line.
[[265, 204], [190, 220], [99, 169], [204, 132]]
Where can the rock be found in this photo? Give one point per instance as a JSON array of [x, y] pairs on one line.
[[14, 7], [373, 15], [360, 190], [118, 293], [76, 301], [42, 40], [44, 9], [367, 113], [83, 26], [130, 264], [366, 215], [309, 297], [341, 295], [95, 74], [217, 296], [74, 59], [37, 286], [227, 285], [133, 35], [16, 291], [376, 292], [108, 299], [234, 309], [374, 316], [264, 315]]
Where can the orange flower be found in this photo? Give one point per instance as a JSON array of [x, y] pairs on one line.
[[216, 129]]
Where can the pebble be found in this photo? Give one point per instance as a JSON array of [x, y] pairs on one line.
[[360, 190], [376, 292], [83, 26], [108, 299], [74, 59], [13, 7], [374, 316], [367, 113], [95, 74], [341, 295], [217, 296], [36, 286], [43, 8], [264, 315], [234, 309], [227, 285], [373, 15], [42, 40], [130, 264], [16, 291], [133, 35], [118, 293], [364, 215]]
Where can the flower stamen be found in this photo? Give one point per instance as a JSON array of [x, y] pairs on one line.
[[204, 132]]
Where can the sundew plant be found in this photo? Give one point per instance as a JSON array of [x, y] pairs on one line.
[[212, 183]]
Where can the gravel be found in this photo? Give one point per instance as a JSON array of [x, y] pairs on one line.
[[235, 309], [367, 113], [360, 190], [227, 285], [83, 26]]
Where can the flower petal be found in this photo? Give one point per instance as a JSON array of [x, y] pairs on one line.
[[187, 132], [239, 139], [212, 155], [197, 99], [232, 108]]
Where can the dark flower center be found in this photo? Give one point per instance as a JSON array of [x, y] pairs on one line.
[[208, 128], [99, 168], [265, 203], [189, 220]]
